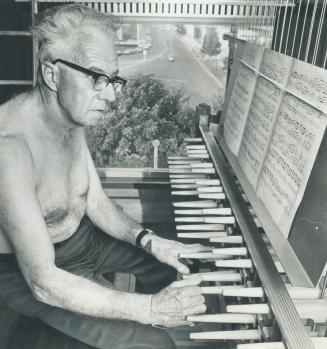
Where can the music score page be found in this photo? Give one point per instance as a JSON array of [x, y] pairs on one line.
[[274, 125]]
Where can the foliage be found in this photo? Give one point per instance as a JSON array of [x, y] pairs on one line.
[[129, 31], [211, 44], [144, 111]]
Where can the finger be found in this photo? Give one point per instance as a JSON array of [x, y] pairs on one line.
[[197, 300], [179, 322], [191, 302], [190, 281], [206, 260], [175, 320], [188, 261], [190, 291], [197, 248], [197, 309], [201, 248], [180, 267]]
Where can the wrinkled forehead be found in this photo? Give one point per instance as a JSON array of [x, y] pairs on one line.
[[98, 50]]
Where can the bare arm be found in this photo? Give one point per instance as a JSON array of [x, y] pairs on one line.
[[22, 221], [104, 213]]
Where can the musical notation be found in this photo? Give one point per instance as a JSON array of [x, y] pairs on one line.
[[262, 115], [310, 84], [275, 121], [238, 106], [276, 66], [292, 151]]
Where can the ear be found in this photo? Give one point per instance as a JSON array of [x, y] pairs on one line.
[[50, 74]]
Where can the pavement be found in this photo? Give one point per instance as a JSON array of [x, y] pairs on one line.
[[218, 77], [194, 46]]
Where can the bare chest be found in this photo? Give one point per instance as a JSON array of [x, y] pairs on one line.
[[62, 184]]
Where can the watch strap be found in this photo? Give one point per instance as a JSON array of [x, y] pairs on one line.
[[141, 234]]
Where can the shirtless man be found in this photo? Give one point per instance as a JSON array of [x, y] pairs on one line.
[[58, 229]]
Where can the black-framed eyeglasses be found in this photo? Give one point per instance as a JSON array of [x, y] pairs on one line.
[[101, 81]]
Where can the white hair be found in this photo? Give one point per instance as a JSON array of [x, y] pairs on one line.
[[62, 31]]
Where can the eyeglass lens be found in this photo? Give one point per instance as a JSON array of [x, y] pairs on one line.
[[101, 82]]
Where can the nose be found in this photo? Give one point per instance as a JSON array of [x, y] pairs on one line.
[[108, 93]]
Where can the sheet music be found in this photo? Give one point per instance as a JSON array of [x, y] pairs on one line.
[[274, 124], [238, 107], [291, 155], [233, 75], [231, 81], [275, 143], [310, 84], [276, 66], [259, 126], [252, 55]]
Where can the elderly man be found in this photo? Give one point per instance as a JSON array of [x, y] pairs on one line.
[[58, 229]]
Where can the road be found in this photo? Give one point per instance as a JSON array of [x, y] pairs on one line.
[[186, 71]]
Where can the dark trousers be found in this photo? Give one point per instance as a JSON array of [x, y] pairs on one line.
[[87, 253]]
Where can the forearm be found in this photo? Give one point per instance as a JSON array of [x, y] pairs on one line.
[[74, 293], [110, 218]]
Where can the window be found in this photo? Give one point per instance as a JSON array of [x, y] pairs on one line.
[[170, 69]]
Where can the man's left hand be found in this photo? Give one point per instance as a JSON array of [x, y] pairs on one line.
[[167, 251]]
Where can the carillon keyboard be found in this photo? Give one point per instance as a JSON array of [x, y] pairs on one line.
[[259, 306]]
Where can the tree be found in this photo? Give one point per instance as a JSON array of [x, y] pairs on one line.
[[211, 44], [144, 111]]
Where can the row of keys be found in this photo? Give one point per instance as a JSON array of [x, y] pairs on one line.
[[198, 197]]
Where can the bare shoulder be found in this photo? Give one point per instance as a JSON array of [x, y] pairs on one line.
[[11, 108], [13, 146], [15, 157]]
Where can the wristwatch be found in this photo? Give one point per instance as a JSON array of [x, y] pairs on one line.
[[141, 234]]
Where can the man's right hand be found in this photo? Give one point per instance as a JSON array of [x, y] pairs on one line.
[[173, 304]]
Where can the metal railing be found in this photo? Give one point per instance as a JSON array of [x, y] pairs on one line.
[[297, 29], [209, 11], [223, 11]]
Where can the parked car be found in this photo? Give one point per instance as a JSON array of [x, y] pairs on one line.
[[171, 57]]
